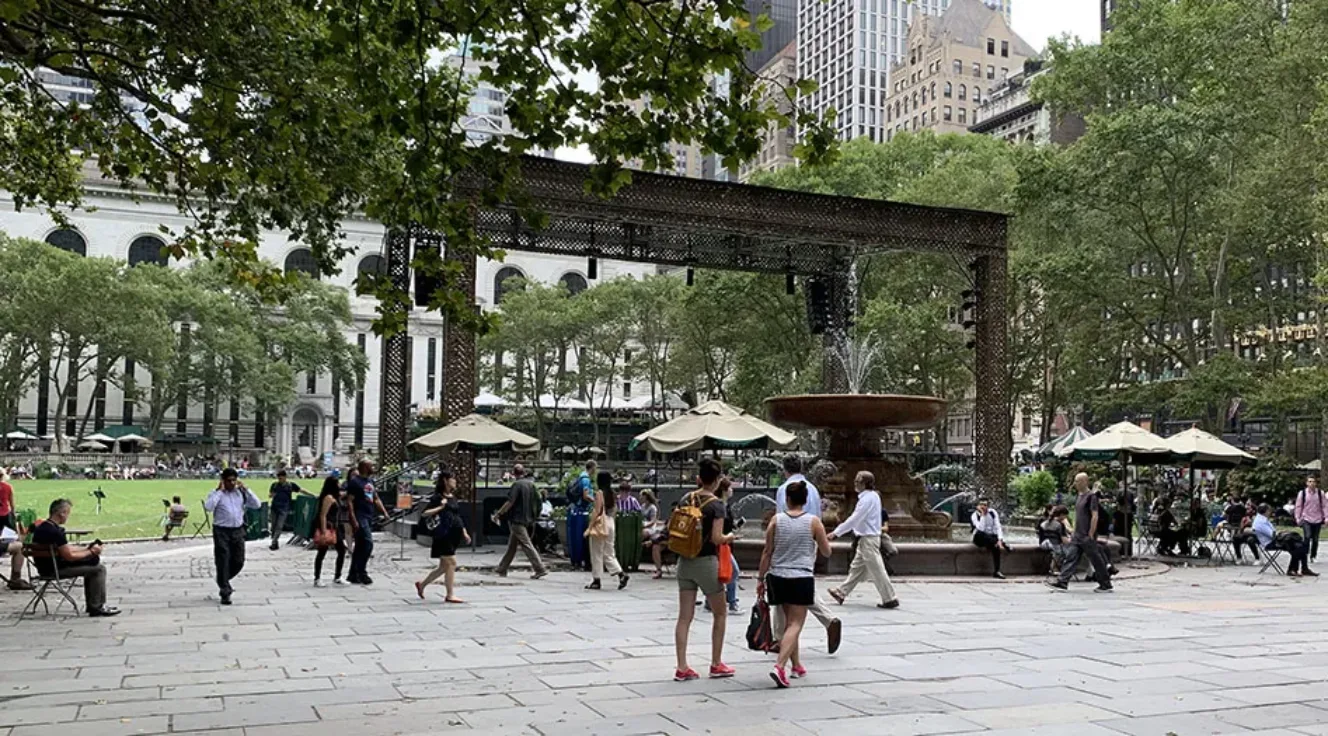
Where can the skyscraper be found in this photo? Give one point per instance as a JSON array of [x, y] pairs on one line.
[[848, 47]]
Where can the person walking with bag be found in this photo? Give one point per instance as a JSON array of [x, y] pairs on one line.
[[1310, 513], [865, 524], [792, 540], [227, 505], [449, 532], [602, 533], [696, 531], [331, 529], [521, 510]]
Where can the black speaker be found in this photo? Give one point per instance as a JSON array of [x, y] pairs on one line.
[[818, 304], [430, 255]]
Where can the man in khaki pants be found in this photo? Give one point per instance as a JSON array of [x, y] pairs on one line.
[[865, 524], [521, 510]]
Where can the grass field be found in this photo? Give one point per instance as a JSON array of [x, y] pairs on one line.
[[132, 508]]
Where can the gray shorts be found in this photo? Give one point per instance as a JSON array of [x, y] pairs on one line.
[[699, 573]]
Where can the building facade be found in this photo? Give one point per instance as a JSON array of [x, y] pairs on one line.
[[779, 74], [953, 64], [1010, 112], [849, 48], [319, 420]]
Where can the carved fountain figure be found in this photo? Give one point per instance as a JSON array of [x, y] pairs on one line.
[[855, 423]]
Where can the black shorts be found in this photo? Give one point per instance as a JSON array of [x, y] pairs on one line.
[[790, 591], [445, 546]]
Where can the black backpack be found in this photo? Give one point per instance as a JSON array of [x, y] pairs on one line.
[[760, 637]]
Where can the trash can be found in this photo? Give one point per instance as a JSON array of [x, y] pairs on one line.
[[627, 541], [256, 522], [578, 551], [302, 516]]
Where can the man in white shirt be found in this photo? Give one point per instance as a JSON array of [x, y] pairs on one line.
[[865, 524], [833, 627]]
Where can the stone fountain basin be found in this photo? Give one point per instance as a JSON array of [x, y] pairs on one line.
[[856, 411]]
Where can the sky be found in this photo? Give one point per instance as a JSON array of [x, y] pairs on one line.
[[1038, 20]]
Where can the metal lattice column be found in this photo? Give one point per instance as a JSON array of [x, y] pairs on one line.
[[991, 412], [394, 399], [459, 372]]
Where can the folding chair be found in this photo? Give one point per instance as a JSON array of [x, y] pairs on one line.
[[1224, 549], [1146, 542], [1270, 559], [44, 583], [205, 524]]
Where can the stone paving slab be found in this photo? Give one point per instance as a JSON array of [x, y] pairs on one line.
[[1182, 651]]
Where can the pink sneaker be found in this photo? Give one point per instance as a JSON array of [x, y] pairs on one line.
[[799, 672], [685, 675], [781, 679], [721, 670]]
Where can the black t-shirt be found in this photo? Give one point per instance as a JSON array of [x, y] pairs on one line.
[[281, 494], [885, 516], [446, 523], [525, 502], [49, 532], [1235, 514], [710, 512], [1084, 507]]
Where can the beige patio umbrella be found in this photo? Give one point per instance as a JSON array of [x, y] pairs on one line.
[[1199, 449], [476, 432], [714, 425], [1121, 441]]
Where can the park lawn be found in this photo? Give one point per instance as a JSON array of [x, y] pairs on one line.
[[132, 508]]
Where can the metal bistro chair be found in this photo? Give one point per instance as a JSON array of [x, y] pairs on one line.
[[1271, 559], [1224, 548], [44, 583], [205, 524], [1147, 540]]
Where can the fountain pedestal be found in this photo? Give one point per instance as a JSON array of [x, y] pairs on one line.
[[855, 423]]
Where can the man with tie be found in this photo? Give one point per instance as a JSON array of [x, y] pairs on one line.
[[227, 504]]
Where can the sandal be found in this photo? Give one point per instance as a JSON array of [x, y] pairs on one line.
[[657, 575], [453, 600]]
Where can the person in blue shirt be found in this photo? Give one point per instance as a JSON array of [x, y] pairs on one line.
[[227, 504], [1290, 543], [586, 484], [363, 502]]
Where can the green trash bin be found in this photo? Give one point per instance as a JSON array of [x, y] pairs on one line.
[[627, 541], [302, 516], [256, 522]]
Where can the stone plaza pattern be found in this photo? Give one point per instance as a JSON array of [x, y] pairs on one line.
[[1188, 651]]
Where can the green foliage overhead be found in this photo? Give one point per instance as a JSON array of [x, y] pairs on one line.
[[257, 114]]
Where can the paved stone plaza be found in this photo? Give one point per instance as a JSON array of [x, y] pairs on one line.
[[1189, 651]]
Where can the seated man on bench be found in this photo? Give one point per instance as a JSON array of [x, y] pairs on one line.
[[69, 561]]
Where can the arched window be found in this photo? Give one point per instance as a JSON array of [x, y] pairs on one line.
[[369, 265], [501, 286], [70, 240], [949, 89], [963, 92], [575, 282], [301, 260], [147, 249]]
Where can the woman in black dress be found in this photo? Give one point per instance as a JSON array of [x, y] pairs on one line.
[[440, 517]]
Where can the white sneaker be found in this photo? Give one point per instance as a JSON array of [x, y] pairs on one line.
[[320, 584], [339, 581]]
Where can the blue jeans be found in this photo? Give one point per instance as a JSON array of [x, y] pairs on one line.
[[731, 590]]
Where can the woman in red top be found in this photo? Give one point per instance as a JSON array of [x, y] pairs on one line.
[[7, 502]]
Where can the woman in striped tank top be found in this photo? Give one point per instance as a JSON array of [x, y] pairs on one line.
[[792, 540]]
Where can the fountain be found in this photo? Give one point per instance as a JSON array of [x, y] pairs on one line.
[[854, 423]]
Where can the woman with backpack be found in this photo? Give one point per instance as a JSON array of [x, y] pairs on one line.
[[441, 518], [602, 533], [696, 531], [792, 540]]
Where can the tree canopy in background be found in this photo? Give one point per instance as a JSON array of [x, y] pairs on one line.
[[91, 314], [290, 115]]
